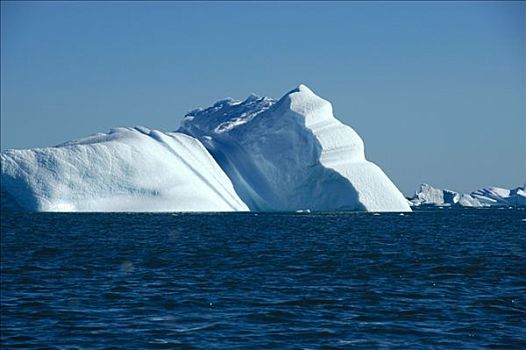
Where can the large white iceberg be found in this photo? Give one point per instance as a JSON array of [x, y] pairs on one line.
[[257, 154]]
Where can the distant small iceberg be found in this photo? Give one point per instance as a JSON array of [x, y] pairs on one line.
[[430, 196]]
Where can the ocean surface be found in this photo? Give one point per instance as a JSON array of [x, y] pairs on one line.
[[437, 279]]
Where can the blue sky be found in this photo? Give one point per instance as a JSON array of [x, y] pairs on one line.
[[436, 89]]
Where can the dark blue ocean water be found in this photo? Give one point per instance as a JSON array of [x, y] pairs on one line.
[[439, 279]]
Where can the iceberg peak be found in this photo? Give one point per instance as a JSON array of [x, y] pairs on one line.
[[301, 92], [278, 154], [251, 97], [301, 88]]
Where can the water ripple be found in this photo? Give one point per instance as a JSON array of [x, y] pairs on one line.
[[430, 279]]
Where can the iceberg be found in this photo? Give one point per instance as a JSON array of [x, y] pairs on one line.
[[259, 154], [429, 195], [127, 169], [292, 154], [496, 196], [487, 197]]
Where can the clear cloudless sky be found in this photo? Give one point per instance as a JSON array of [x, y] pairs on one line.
[[436, 89]]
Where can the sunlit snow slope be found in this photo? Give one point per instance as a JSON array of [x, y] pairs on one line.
[[128, 169]]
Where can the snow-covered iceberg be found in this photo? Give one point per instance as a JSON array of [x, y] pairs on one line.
[[258, 154], [429, 195], [127, 169], [496, 196], [487, 197], [292, 154]]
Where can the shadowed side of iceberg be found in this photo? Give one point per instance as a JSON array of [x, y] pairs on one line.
[[8, 203]]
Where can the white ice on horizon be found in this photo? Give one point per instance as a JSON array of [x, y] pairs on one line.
[[256, 154], [428, 195]]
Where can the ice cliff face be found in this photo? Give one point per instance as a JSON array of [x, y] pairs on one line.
[[292, 154], [258, 154], [486, 197]]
